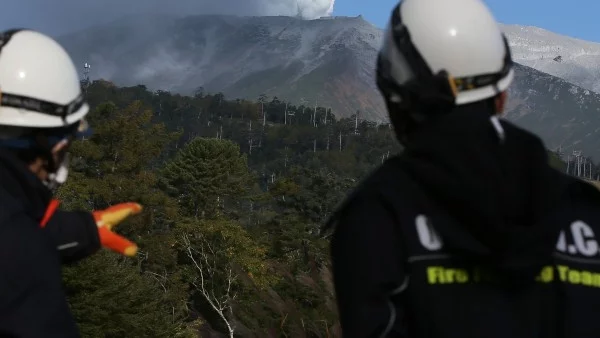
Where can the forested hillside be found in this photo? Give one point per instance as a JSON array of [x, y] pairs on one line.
[[234, 194]]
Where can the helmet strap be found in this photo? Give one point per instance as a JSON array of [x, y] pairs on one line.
[[58, 168], [59, 176]]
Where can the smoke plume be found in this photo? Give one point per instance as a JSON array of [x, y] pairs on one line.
[[59, 17]]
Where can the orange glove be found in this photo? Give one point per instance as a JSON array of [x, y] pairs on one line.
[[107, 219]]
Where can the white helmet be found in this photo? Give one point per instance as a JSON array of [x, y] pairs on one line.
[[40, 94], [39, 84], [455, 41]]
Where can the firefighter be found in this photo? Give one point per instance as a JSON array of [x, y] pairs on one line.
[[468, 232], [42, 111]]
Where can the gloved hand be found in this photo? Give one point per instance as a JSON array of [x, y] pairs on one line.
[[107, 219]]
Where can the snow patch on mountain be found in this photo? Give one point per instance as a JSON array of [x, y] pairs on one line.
[[575, 60]]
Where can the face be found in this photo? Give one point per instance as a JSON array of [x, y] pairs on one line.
[[500, 102], [38, 167]]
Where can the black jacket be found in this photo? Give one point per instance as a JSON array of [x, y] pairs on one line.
[[465, 235], [32, 299]]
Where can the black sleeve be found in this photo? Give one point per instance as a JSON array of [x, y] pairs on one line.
[[32, 299], [368, 271], [75, 234]]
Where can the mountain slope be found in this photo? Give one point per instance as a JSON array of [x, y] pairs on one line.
[[325, 61], [562, 114], [329, 62], [574, 60]]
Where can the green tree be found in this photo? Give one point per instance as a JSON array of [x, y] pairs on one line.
[[218, 253], [109, 298], [258, 231], [114, 166], [205, 174]]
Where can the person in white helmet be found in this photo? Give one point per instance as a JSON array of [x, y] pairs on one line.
[[468, 232], [42, 111]]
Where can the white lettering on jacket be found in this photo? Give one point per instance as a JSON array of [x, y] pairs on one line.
[[583, 240], [428, 237]]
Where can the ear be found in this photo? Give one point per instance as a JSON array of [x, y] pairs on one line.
[[500, 102]]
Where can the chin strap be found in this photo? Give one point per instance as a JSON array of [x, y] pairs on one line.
[[498, 127], [59, 177]]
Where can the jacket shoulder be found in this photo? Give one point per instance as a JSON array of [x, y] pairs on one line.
[[584, 191], [373, 189], [581, 200], [595, 184]]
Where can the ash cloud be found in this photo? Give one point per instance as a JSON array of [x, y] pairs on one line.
[[59, 17]]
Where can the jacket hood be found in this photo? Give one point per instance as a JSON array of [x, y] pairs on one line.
[[494, 194]]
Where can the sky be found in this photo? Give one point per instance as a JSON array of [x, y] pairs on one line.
[[576, 18]]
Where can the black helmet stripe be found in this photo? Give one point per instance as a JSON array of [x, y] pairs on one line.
[[404, 44], [41, 106]]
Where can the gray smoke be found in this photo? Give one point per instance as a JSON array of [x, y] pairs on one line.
[[57, 17]]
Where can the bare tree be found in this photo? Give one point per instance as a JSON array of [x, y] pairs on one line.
[[116, 159], [250, 139], [285, 161], [314, 116], [205, 264]]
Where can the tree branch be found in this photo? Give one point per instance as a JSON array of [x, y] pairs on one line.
[[221, 305]]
